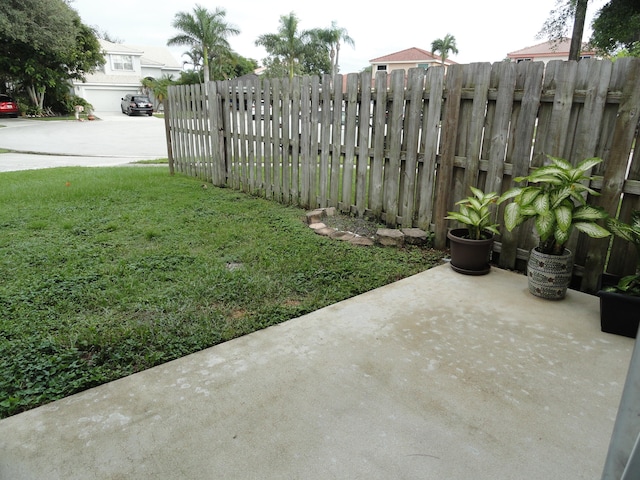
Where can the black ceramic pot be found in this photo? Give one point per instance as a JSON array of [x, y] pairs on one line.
[[470, 257], [619, 313]]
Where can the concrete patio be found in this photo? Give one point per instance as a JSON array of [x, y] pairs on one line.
[[437, 376]]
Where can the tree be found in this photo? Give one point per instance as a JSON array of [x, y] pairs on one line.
[[104, 35], [332, 36], [288, 46], [205, 32], [51, 43], [244, 66], [195, 57], [616, 27], [556, 28], [579, 18], [444, 46], [157, 88]]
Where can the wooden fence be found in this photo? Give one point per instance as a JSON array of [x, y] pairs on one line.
[[404, 147]]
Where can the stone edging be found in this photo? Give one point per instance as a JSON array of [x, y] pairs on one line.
[[384, 236]]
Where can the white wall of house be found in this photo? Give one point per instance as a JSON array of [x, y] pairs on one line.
[[122, 73]]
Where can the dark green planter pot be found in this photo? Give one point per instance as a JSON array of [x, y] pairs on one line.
[[549, 275], [469, 257], [619, 313]]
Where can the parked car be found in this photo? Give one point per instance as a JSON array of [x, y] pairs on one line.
[[8, 106], [133, 103]]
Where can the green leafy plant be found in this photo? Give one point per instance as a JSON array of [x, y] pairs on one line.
[[555, 196], [475, 213], [629, 285]]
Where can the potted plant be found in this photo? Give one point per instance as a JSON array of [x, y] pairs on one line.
[[555, 197], [620, 302], [471, 246]]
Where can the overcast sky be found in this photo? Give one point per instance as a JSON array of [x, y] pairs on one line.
[[485, 31]]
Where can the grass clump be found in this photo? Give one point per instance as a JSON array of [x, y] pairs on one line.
[[110, 271]]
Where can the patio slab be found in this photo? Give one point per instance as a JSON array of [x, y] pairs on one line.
[[437, 376]]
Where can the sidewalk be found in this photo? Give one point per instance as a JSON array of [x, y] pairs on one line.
[[437, 376], [10, 162]]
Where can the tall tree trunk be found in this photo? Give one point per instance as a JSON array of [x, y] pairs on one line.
[[36, 95], [578, 30], [205, 62], [332, 59]]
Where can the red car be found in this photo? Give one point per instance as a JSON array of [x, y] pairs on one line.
[[8, 106]]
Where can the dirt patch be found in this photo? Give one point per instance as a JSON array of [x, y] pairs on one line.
[[348, 223]]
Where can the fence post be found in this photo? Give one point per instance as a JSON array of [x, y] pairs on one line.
[[167, 133], [622, 457]]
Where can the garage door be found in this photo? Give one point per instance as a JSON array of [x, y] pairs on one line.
[[105, 99]]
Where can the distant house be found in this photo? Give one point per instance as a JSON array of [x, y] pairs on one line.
[[547, 51], [406, 59], [125, 67]]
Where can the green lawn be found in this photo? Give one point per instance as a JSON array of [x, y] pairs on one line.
[[109, 271]]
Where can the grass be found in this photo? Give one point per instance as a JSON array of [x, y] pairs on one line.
[[110, 271]]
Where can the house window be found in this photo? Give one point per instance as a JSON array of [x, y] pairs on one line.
[[523, 60], [381, 68], [122, 62], [423, 65]]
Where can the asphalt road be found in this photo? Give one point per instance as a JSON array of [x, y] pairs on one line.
[[113, 139]]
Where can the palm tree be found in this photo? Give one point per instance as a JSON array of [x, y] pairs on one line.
[[195, 57], [204, 31], [158, 88], [288, 44], [444, 46], [332, 36]]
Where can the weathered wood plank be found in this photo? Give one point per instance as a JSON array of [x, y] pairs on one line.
[[453, 87], [314, 128], [349, 142], [364, 132], [276, 139], [216, 134], [251, 86], [241, 110], [336, 156], [593, 77], [394, 142], [413, 113], [305, 139], [623, 255], [267, 161], [477, 77], [376, 179], [501, 124], [286, 143], [434, 87], [555, 130], [191, 155], [614, 175], [529, 81], [325, 142]]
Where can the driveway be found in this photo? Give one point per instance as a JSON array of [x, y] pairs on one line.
[[113, 139]]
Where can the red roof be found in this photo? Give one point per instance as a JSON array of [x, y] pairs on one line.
[[548, 49], [410, 55]]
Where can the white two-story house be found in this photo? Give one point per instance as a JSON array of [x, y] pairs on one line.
[[125, 67]]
